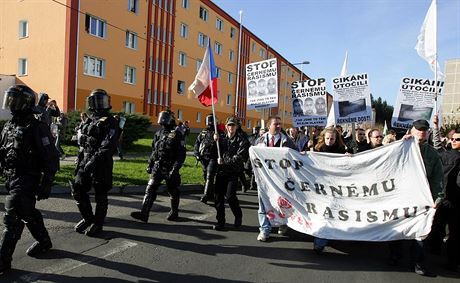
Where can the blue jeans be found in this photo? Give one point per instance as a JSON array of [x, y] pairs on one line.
[[264, 223], [319, 243]]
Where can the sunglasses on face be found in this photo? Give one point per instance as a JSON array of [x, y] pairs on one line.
[[455, 139]]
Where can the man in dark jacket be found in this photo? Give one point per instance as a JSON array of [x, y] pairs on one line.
[[28, 161], [234, 151]]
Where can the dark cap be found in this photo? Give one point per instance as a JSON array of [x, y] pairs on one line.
[[421, 125], [231, 121]]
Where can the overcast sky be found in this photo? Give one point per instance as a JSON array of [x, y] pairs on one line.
[[379, 35]]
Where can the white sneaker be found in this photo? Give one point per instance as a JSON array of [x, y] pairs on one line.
[[262, 237], [282, 230]]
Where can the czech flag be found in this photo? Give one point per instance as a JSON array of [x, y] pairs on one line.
[[205, 84]]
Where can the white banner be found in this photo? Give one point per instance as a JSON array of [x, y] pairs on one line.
[[262, 84], [415, 101], [309, 103], [378, 195], [352, 99]]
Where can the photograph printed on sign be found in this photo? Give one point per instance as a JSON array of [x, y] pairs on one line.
[[262, 84]]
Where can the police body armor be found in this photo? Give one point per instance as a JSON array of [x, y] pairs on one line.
[[166, 146], [207, 146]]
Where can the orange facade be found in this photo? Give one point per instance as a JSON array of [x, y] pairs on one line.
[[145, 53]]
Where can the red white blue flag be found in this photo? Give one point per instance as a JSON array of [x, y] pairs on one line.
[[205, 84]]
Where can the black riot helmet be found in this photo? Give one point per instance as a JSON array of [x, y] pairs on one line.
[[210, 120], [98, 101], [19, 99], [43, 99], [166, 118]]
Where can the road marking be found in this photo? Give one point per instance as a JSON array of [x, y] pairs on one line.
[[70, 264]]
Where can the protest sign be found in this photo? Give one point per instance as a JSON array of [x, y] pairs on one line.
[[377, 195], [262, 84], [352, 99], [416, 100], [309, 103]]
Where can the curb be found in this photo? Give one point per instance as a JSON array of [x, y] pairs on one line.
[[121, 190]]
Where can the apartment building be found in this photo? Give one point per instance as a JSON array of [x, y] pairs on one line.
[[450, 109], [144, 53]]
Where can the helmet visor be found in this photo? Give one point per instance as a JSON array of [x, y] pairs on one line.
[[14, 101], [99, 102]]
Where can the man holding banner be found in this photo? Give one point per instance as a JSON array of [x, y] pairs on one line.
[[273, 138]]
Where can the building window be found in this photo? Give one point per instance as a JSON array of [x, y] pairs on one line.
[[129, 107], [130, 75], [230, 55], [253, 47], [23, 29], [149, 96], [155, 97], [218, 72], [262, 53], [167, 99], [22, 67], [131, 40], [151, 63], [198, 64], [161, 98], [218, 48], [133, 6], [232, 32], [229, 99], [179, 114], [249, 124], [182, 59], [198, 117], [202, 40], [219, 24], [203, 14], [95, 26], [183, 30], [180, 87], [185, 4], [230, 78], [93, 66]]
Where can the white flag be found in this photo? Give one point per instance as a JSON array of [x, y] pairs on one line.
[[426, 42], [343, 73]]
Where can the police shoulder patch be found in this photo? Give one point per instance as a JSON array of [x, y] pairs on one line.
[[46, 141], [102, 119]]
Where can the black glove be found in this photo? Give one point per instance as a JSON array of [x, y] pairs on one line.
[[44, 190], [446, 203], [89, 166], [148, 169]]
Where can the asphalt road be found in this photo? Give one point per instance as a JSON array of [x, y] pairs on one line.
[[190, 251]]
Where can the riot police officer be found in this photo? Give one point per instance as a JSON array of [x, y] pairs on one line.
[[28, 161], [205, 151], [168, 155], [234, 150], [98, 143]]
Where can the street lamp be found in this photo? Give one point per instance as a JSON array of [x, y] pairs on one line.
[[285, 81]]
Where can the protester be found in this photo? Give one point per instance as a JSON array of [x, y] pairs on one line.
[[329, 141], [434, 175], [273, 138], [360, 143], [234, 151], [375, 138], [62, 127], [47, 109], [28, 162], [297, 139], [448, 213], [248, 166]]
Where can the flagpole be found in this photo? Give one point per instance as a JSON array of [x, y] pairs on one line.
[[239, 62], [212, 98]]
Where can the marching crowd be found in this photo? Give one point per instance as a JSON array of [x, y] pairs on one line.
[[29, 159]]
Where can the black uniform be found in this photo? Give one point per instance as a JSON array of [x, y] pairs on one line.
[[205, 151], [168, 155], [98, 143], [28, 161], [234, 151]]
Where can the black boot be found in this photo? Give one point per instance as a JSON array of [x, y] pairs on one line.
[[147, 204], [40, 234], [208, 190], [11, 235], [174, 213], [100, 213], [88, 218], [94, 230]]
